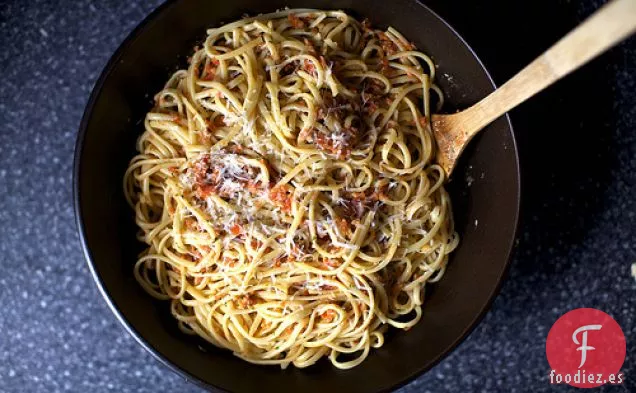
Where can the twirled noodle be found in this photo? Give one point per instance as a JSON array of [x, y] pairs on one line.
[[286, 189]]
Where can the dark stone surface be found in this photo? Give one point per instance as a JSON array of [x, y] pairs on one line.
[[576, 243]]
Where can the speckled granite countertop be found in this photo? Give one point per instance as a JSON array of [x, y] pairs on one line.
[[577, 240]]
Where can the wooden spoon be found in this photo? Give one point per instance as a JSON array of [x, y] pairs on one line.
[[609, 25]]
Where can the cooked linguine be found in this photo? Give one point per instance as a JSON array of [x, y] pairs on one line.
[[286, 189]]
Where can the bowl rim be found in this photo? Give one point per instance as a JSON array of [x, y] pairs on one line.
[[174, 367]]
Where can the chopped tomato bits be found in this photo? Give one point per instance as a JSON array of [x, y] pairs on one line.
[[282, 197]]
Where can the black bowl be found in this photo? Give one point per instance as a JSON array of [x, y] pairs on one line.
[[486, 211]]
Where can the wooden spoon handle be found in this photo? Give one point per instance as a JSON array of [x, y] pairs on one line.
[[609, 25]]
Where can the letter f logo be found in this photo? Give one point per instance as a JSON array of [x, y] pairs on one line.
[[584, 347]]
